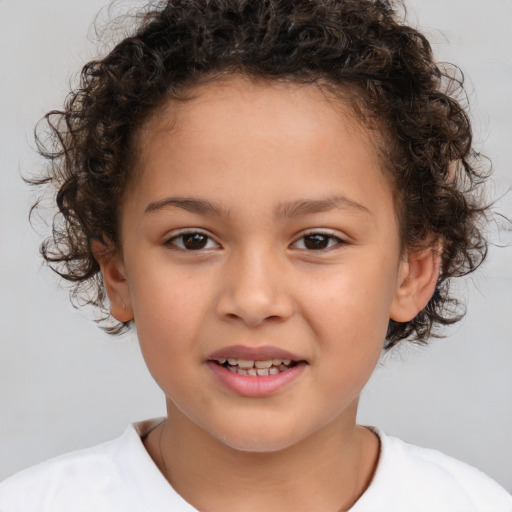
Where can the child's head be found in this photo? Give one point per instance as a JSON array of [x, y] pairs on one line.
[[354, 54]]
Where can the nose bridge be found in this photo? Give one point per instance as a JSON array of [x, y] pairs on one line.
[[255, 286]]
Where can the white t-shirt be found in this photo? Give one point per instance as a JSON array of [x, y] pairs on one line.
[[120, 476]]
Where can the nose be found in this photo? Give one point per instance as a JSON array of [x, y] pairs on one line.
[[255, 290]]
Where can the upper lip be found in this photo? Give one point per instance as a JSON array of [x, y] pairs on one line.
[[263, 353]]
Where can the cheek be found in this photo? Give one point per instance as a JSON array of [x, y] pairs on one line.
[[350, 325], [168, 314], [352, 304]]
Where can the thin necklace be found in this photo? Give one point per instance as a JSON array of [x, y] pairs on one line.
[[160, 449], [343, 509]]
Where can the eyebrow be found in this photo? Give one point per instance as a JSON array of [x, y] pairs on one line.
[[288, 209], [310, 206], [189, 204]]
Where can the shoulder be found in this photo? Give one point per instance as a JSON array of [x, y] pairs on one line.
[[117, 476], [60, 481], [409, 477]]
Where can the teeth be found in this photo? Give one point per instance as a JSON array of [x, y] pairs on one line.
[[242, 363], [263, 364], [255, 368]]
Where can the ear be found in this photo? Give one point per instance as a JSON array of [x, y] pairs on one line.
[[114, 279], [417, 279]]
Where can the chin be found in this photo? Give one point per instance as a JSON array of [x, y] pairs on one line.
[[261, 439], [257, 446]]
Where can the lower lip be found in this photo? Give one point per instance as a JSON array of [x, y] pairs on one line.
[[256, 387]]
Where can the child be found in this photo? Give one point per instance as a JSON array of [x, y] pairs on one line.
[[270, 193]]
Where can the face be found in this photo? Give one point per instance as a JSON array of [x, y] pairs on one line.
[[260, 260]]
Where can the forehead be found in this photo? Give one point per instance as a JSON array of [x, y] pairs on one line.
[[237, 129], [268, 102]]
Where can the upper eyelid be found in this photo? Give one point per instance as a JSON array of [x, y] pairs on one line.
[[188, 231], [319, 231]]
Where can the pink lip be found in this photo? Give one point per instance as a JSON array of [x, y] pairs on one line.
[[255, 386]]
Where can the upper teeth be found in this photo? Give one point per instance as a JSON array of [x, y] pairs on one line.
[[247, 363], [255, 368]]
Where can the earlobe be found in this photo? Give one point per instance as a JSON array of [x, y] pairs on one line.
[[114, 279], [418, 276]]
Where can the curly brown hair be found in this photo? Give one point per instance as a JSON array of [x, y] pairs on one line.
[[359, 47]]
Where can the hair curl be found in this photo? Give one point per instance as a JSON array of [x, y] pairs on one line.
[[358, 46]]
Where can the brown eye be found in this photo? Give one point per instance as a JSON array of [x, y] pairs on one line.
[[195, 241], [317, 242]]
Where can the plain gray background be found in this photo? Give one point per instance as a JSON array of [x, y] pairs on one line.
[[65, 385]]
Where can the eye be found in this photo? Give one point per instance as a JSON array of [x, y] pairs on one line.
[[193, 241], [317, 242]]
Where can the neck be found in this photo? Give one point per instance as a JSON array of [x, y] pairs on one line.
[[328, 470]]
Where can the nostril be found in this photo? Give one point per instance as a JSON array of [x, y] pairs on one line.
[[253, 306], [270, 318]]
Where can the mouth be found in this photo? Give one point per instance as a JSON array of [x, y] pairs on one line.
[[256, 372], [255, 368]]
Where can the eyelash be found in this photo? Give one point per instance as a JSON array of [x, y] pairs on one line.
[[323, 235], [191, 233]]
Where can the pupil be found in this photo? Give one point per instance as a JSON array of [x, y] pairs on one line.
[[194, 241], [316, 241]]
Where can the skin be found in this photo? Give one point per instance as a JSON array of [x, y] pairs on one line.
[[255, 151]]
